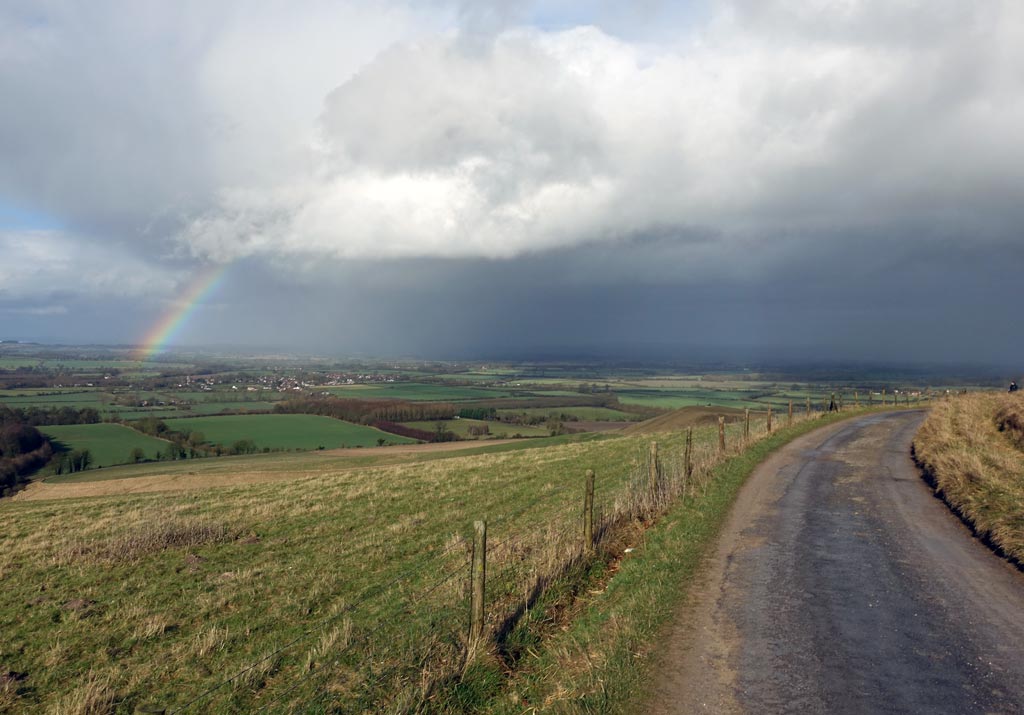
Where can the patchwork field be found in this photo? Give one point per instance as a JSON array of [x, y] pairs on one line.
[[109, 444], [285, 431]]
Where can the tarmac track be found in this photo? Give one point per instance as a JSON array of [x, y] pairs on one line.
[[842, 585]]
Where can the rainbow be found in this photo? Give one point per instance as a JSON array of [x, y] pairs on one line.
[[170, 325]]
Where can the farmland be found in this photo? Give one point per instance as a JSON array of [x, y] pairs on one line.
[[284, 431], [109, 444], [335, 573]]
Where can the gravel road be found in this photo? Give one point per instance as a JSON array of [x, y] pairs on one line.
[[842, 585]]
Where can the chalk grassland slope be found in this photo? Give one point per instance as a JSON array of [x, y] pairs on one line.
[[497, 429], [236, 471], [284, 431], [686, 417], [587, 414], [109, 444], [972, 446], [121, 599]]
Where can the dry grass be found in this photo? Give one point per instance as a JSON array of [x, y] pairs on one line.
[[971, 446], [146, 539], [94, 696]]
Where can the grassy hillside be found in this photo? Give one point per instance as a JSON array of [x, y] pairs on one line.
[[973, 448], [135, 597], [285, 431], [588, 414], [332, 589], [109, 444], [498, 429]]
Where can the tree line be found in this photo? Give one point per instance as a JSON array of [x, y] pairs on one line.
[[23, 450], [367, 412], [36, 416]]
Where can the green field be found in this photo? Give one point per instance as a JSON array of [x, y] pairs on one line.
[[109, 444], [63, 399], [499, 430], [284, 431]]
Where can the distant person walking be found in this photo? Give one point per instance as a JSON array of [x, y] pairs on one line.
[[1013, 386]]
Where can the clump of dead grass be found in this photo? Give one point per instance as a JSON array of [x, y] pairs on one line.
[[94, 696], [970, 448], [145, 539]]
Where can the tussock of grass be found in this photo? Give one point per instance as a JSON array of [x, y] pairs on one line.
[[972, 447], [146, 539], [94, 696]]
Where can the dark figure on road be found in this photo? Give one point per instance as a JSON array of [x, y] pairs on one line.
[[1013, 386]]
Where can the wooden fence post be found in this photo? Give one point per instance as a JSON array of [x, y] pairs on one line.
[[871, 398], [883, 397], [721, 433], [789, 416], [856, 398], [479, 578], [769, 419], [808, 406], [652, 470], [588, 513], [688, 457], [840, 403], [746, 425]]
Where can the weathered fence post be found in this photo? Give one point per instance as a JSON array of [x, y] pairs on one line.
[[652, 470], [856, 398], [871, 398], [688, 457], [883, 397], [479, 577], [840, 403], [789, 415], [746, 425], [808, 406], [721, 433], [769, 419], [588, 513]]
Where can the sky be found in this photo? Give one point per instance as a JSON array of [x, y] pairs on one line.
[[819, 179]]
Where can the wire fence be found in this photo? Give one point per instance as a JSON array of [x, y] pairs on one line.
[[413, 631]]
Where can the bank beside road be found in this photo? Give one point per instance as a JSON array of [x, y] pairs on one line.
[[972, 449]]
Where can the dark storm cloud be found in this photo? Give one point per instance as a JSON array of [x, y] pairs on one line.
[[493, 176]]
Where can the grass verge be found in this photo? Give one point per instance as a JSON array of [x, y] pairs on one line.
[[971, 448], [598, 660]]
